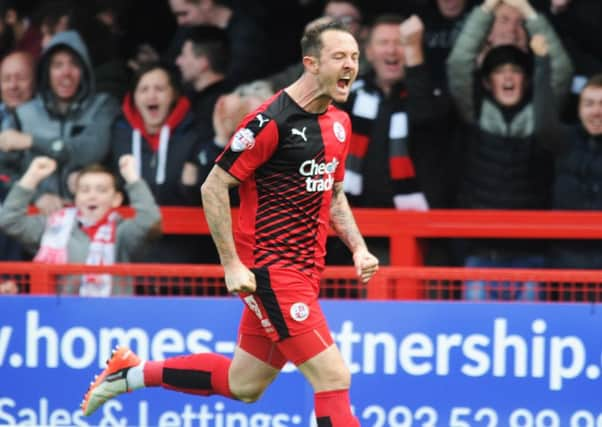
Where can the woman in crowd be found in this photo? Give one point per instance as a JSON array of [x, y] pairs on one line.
[[157, 127]]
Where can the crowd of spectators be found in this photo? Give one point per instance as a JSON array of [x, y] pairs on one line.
[[493, 104]]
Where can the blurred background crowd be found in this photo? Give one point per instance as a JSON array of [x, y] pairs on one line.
[[471, 104]]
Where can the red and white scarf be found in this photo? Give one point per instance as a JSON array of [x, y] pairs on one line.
[[53, 247]]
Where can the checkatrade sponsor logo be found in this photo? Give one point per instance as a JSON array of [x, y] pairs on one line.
[[319, 175]]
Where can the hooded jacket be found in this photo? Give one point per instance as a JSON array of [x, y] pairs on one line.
[[77, 137]]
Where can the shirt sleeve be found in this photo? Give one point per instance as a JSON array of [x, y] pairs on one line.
[[253, 143]]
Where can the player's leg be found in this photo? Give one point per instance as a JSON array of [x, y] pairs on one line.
[[254, 366], [320, 361], [256, 363], [203, 374], [330, 378], [245, 377], [289, 299]]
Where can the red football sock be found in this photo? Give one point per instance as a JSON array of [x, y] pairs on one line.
[[334, 410], [204, 374]]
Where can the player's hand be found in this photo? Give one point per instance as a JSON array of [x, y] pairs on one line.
[[128, 168], [366, 264], [239, 278]]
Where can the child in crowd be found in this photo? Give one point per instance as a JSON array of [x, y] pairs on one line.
[[91, 232]]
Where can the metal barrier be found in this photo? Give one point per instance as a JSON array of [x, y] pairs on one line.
[[390, 283]]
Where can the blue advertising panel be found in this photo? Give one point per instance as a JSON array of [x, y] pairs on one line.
[[413, 363]]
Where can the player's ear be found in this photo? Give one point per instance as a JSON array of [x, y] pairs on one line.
[[311, 64]]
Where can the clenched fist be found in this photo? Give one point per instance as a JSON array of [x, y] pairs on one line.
[[128, 168], [40, 167], [539, 45], [412, 30]]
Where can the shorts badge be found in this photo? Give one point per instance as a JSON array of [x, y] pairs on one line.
[[299, 311]]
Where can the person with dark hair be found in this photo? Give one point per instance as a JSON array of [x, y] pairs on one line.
[[67, 120], [387, 105], [247, 39], [503, 166], [91, 232], [13, 25], [577, 23], [578, 153], [443, 21], [47, 19], [157, 127], [203, 63], [288, 157], [396, 159], [349, 14], [96, 25]]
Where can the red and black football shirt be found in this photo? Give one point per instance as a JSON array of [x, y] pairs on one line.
[[287, 161]]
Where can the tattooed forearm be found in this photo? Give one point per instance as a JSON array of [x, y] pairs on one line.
[[342, 221], [216, 205]]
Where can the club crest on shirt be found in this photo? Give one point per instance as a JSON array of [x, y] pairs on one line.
[[299, 311], [243, 139], [339, 131]]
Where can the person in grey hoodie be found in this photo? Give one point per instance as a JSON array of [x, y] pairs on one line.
[[67, 120]]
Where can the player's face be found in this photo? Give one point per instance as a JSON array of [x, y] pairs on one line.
[[95, 194], [385, 52], [338, 64], [190, 65], [154, 98], [590, 109], [507, 84], [65, 75]]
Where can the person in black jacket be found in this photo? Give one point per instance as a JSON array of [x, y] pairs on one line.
[[578, 162], [396, 159], [158, 128]]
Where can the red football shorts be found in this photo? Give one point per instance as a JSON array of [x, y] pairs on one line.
[[283, 319]]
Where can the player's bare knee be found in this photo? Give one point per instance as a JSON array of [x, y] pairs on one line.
[[247, 393], [335, 377]]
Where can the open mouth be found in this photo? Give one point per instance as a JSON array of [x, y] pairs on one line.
[[392, 63], [343, 83], [509, 89], [153, 108]]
